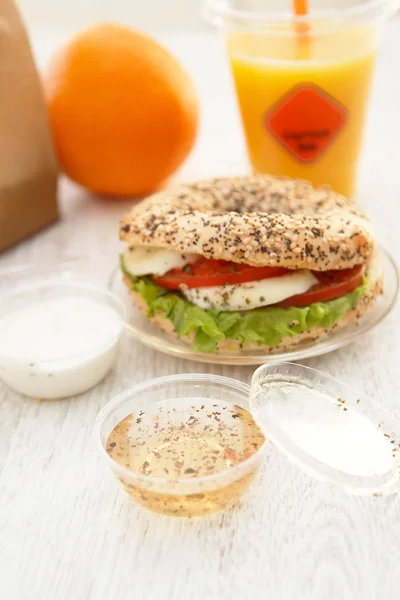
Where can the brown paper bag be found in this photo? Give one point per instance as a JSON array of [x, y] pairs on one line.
[[28, 167]]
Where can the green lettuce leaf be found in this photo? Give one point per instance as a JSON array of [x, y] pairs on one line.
[[261, 326]]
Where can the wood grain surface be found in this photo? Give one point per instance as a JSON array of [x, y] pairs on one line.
[[68, 532]]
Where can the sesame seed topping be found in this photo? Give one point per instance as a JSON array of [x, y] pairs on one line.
[[255, 220]]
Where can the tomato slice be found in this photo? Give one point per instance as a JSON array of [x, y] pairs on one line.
[[208, 272], [332, 284]]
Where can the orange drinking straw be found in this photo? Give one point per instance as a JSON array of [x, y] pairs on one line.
[[300, 9]]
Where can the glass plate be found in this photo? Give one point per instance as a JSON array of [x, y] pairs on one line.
[[141, 328]]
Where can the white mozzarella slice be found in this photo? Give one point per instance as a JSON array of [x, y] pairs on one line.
[[246, 296], [154, 261]]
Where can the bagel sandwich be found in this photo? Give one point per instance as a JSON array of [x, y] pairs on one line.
[[250, 262]]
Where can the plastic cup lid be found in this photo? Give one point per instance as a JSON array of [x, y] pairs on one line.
[[331, 431]]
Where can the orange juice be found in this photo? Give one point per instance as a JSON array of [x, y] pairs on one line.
[[303, 101]]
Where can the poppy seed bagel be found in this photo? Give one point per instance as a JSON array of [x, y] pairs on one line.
[[259, 220]]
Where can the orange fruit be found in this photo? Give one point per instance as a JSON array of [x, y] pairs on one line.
[[123, 112]]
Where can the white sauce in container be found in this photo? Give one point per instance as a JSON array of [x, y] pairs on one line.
[[60, 346]]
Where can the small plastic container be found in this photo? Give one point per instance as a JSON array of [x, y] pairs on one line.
[[167, 403], [326, 427], [59, 335]]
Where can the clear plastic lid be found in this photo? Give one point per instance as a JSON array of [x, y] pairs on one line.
[[331, 431]]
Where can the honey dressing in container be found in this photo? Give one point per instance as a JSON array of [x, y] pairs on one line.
[[189, 445]]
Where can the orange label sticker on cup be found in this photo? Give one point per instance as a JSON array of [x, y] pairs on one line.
[[306, 121]]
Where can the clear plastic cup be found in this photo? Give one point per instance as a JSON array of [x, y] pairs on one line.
[[170, 404], [303, 82]]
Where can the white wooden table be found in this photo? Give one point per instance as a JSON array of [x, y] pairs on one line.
[[69, 533]]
